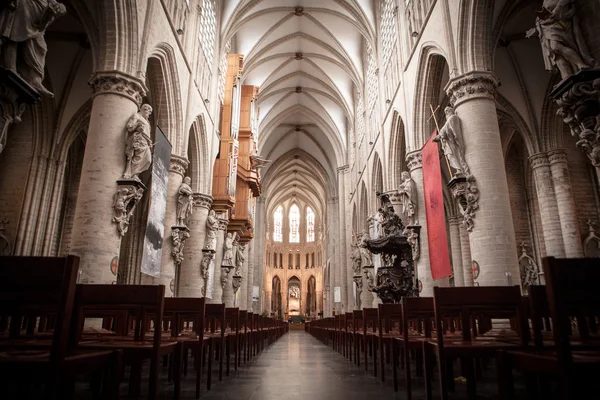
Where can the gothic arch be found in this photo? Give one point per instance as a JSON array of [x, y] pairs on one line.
[[119, 38], [199, 161], [397, 151], [475, 45]]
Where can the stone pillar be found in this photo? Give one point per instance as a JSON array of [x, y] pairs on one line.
[[465, 251], [492, 237], [190, 275], [567, 212], [457, 261], [414, 161], [267, 300], [551, 226], [167, 263], [218, 287], [96, 239]]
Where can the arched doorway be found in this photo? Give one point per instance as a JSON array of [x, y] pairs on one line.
[[294, 296]]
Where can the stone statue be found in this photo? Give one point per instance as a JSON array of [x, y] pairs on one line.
[[355, 256], [239, 258], [185, 203], [366, 258], [124, 202], [408, 193], [212, 226], [228, 251], [179, 237], [138, 143], [560, 35], [23, 24], [451, 138]]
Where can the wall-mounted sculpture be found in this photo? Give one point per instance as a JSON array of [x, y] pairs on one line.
[[407, 191], [138, 144], [124, 202], [185, 201], [529, 270]]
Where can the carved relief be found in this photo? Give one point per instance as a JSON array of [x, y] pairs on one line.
[[450, 136], [465, 191], [412, 237], [185, 203], [591, 244], [138, 144], [179, 235], [359, 288], [528, 268], [117, 83], [407, 191], [471, 86], [228, 251], [212, 227], [124, 202]]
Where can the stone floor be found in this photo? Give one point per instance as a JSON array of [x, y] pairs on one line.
[[299, 367]]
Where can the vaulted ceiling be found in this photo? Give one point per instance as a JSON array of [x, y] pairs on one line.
[[306, 57]]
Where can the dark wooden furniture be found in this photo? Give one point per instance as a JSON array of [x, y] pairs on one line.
[[574, 360], [35, 290], [215, 333], [389, 327]]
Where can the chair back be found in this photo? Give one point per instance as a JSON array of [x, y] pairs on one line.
[[369, 319], [571, 286], [417, 313], [215, 318], [126, 306], [476, 307], [184, 309], [32, 287], [390, 318]]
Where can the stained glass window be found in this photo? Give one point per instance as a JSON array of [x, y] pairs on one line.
[[310, 225], [294, 224], [278, 225]]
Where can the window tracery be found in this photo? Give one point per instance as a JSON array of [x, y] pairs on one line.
[[278, 225], [294, 224], [310, 225]]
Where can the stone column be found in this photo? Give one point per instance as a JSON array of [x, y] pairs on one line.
[[492, 237], [167, 263], [551, 226], [414, 161], [267, 300], [457, 261], [465, 251], [96, 239], [567, 212], [218, 287], [190, 274]]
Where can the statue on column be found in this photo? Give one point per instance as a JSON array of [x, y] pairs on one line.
[[239, 258], [366, 258], [23, 48], [408, 193], [228, 251], [560, 35], [451, 138], [138, 143], [355, 256], [124, 202], [185, 204], [212, 227]]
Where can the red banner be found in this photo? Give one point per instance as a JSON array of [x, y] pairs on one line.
[[439, 258]]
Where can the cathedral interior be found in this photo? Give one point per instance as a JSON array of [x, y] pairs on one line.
[[306, 159]]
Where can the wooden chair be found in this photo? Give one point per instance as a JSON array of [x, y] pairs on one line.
[[181, 310], [369, 333], [357, 325], [140, 307], [572, 293], [215, 333], [348, 335], [390, 326], [475, 306], [232, 330], [417, 323], [34, 287]]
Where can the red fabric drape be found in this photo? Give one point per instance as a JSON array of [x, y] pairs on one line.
[[439, 258]]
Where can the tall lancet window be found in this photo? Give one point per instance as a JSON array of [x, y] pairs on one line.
[[310, 225], [278, 225], [294, 224]]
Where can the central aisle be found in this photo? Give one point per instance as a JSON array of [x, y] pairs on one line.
[[298, 367]]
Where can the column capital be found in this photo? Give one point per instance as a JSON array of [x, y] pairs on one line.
[[557, 156], [414, 160], [539, 160], [472, 85], [119, 83], [179, 165], [202, 200]]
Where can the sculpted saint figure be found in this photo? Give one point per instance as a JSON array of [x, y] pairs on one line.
[[451, 138], [185, 203], [228, 251], [355, 257], [22, 44], [239, 258], [138, 143], [408, 193], [366, 258], [212, 226], [560, 35]]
